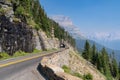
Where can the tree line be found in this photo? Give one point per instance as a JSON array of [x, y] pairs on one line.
[[104, 62], [32, 13]]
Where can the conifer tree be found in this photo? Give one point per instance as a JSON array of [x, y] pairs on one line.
[[94, 55], [119, 71], [105, 62], [86, 52], [115, 71]]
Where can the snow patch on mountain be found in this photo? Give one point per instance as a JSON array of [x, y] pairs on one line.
[[108, 39], [105, 36], [68, 25]]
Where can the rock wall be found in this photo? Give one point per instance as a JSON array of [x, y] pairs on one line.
[[74, 61], [50, 66], [8, 9], [48, 43], [59, 59], [43, 42], [17, 35]]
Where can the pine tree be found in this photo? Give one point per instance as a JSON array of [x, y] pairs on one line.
[[119, 71], [86, 52], [115, 70], [94, 55], [105, 63]]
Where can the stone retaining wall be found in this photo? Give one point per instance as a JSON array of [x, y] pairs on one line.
[[50, 66]]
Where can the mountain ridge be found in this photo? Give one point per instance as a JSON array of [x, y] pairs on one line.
[[80, 37], [104, 38]]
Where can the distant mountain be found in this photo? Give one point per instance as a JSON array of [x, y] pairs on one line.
[[81, 42], [67, 24], [109, 39]]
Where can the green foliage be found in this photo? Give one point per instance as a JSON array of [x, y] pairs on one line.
[[19, 53], [94, 55], [20, 10], [86, 53], [105, 63], [31, 12], [36, 51], [77, 75], [88, 77], [4, 55], [2, 11], [66, 69]]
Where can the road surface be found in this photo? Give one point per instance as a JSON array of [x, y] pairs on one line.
[[13, 66]]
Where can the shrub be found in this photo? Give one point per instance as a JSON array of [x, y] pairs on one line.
[[19, 53], [36, 51], [77, 75], [66, 69], [19, 10], [4, 55], [87, 77]]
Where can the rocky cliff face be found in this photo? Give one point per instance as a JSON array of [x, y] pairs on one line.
[[43, 42], [7, 9], [17, 35]]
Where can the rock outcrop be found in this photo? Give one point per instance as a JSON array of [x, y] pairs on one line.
[[53, 71], [15, 36], [18, 35], [71, 59], [7, 8]]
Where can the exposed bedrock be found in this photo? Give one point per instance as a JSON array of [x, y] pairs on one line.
[[15, 36]]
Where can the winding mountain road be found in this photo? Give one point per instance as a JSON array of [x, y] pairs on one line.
[[11, 67]]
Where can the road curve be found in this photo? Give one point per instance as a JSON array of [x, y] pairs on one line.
[[10, 67]]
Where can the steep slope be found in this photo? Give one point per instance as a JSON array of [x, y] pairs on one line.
[[79, 37], [81, 42], [68, 57], [25, 26]]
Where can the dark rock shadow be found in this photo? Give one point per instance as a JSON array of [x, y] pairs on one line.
[[41, 71], [47, 73]]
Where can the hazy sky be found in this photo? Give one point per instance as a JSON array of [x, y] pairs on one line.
[[88, 15]]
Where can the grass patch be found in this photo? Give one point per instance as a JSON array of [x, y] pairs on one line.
[[19, 53], [77, 75], [37, 51], [87, 77], [4, 55], [66, 69]]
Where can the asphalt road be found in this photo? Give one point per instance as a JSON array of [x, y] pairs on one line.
[[15, 65]]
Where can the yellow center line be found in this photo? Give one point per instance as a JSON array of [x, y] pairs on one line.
[[22, 60]]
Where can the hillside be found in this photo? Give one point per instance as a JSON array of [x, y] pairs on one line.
[[80, 37], [106, 60], [25, 27], [72, 63], [81, 42]]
